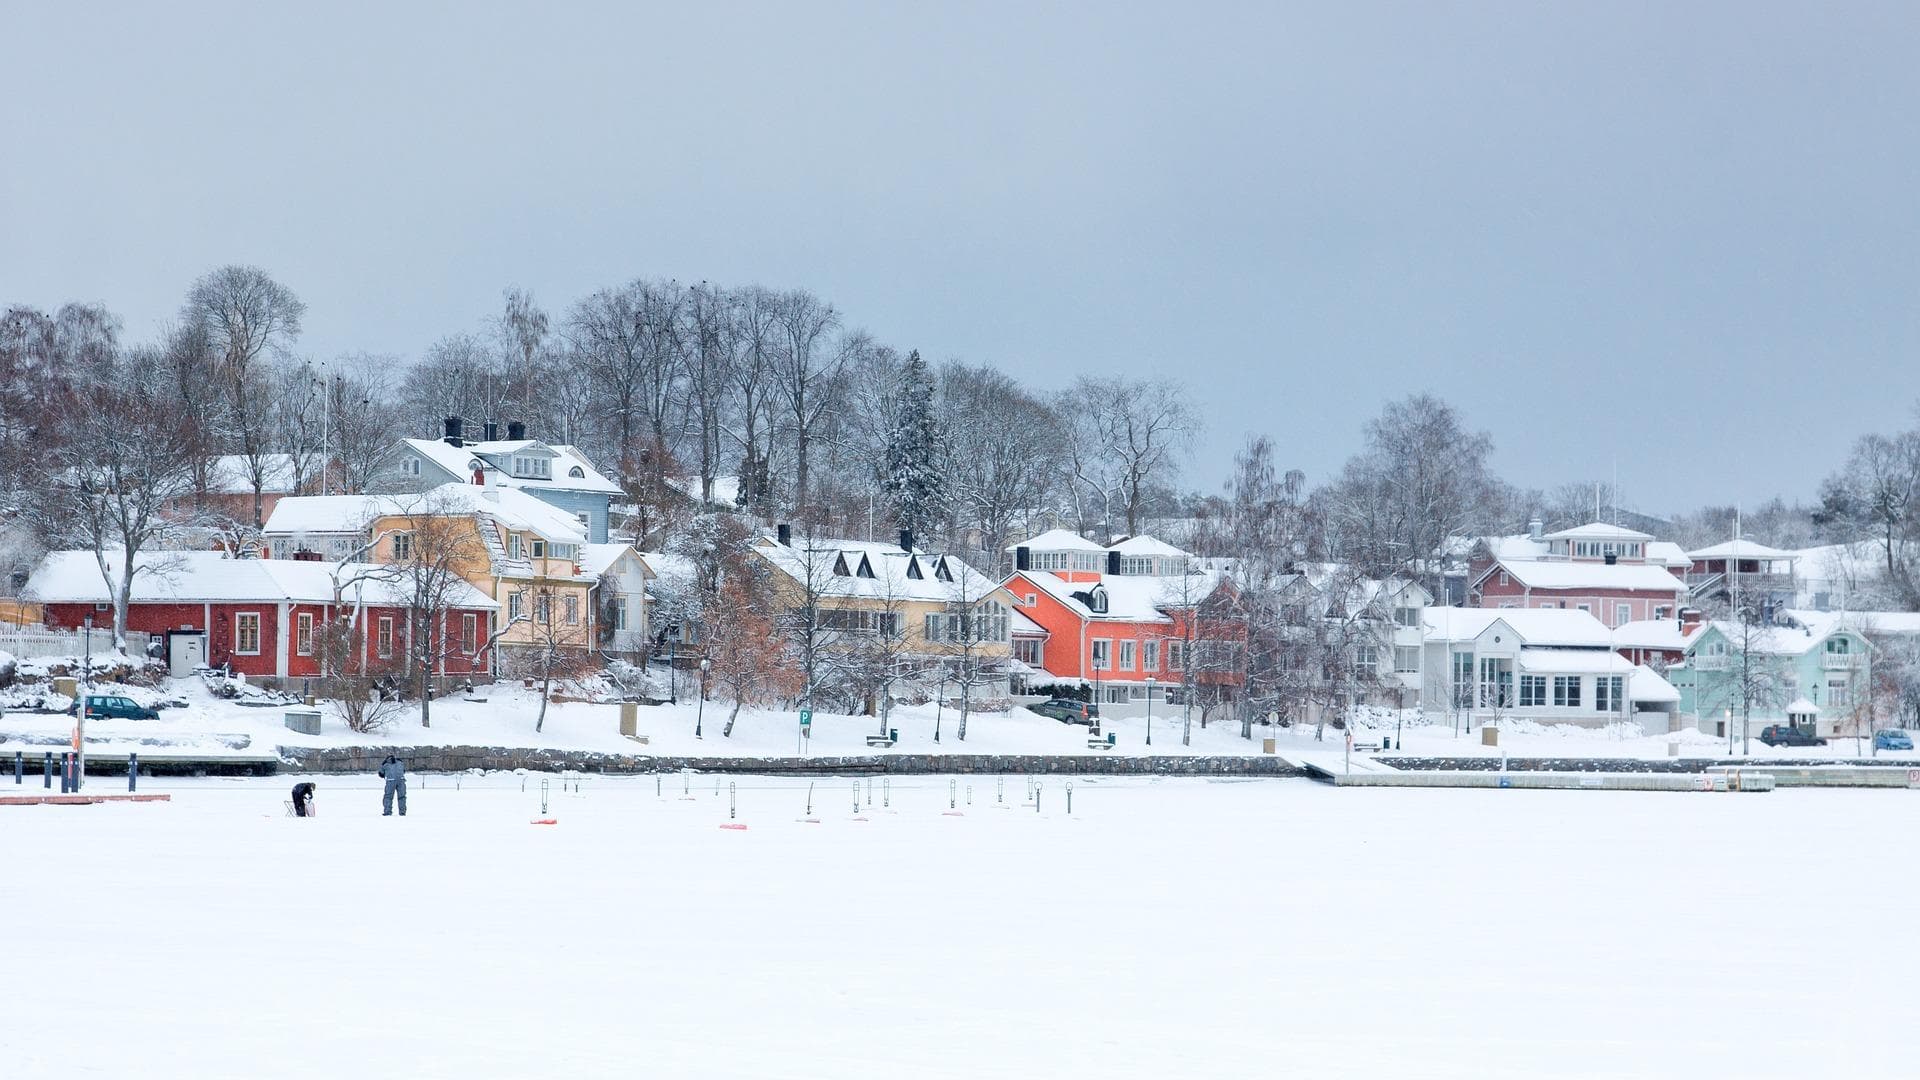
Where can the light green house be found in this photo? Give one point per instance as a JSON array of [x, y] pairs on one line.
[[1815, 673]]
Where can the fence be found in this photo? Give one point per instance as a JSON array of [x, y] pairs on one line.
[[26, 644]]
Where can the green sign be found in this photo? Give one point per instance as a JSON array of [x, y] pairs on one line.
[[806, 717]]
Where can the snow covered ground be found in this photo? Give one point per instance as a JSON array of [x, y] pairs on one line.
[[1165, 928], [210, 726]]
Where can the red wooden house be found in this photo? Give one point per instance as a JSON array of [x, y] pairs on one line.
[[1601, 569], [263, 617]]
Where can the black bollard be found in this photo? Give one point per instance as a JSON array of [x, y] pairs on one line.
[[66, 773], [47, 771], [19, 767], [133, 770]]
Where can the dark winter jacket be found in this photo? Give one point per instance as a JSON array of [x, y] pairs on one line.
[[393, 769], [302, 792]]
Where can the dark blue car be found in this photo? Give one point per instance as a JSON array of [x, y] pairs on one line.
[[1892, 740]]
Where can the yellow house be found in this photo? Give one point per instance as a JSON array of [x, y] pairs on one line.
[[945, 618], [521, 552]]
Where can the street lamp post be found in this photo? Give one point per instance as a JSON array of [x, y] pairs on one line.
[[1149, 710], [673, 671], [700, 712]]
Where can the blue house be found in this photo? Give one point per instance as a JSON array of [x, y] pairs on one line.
[[1814, 672], [555, 474]]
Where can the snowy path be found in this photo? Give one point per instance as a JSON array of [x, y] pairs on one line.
[[1166, 928]]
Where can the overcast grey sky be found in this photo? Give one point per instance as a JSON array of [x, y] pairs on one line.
[[1682, 236]]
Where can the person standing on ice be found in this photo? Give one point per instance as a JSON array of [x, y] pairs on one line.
[[395, 774], [303, 799]]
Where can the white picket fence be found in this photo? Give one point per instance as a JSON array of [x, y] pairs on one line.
[[27, 644]]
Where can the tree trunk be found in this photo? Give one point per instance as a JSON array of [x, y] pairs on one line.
[[727, 732], [546, 684]]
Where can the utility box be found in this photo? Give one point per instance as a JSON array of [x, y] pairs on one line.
[[629, 718], [304, 721], [67, 685], [1267, 746], [1489, 736]]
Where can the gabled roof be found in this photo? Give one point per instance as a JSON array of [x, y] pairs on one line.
[[1667, 553], [1129, 599], [597, 559], [1638, 577], [350, 514], [1598, 530], [211, 577], [458, 462], [1647, 684], [1144, 545], [1057, 540], [1815, 627], [1653, 634], [1536, 627], [941, 578], [1742, 549]]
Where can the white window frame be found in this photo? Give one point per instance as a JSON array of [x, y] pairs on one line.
[[1566, 692], [1533, 691], [410, 465], [1128, 651], [402, 546], [383, 638], [513, 545], [1176, 655], [240, 619], [515, 603], [1150, 656], [1102, 654], [1622, 613], [1403, 666], [303, 634], [570, 609]]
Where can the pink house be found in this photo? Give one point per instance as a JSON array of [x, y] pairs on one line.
[[1616, 574]]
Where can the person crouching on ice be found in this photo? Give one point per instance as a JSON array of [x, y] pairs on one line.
[[303, 799], [395, 774]]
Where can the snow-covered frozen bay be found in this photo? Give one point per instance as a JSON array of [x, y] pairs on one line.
[[1165, 928]]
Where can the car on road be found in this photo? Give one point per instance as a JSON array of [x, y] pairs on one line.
[[114, 707], [1892, 740], [1783, 735], [1067, 710]]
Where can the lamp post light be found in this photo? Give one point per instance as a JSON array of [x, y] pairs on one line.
[[700, 711], [1149, 710]]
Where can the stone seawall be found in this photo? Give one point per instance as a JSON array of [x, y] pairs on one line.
[[461, 758]]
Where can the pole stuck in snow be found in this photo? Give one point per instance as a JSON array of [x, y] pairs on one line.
[[733, 802], [543, 794], [856, 796], [953, 794], [1069, 796], [809, 798], [886, 792]]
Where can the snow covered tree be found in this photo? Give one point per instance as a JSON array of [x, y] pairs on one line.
[[915, 476], [750, 660], [246, 320]]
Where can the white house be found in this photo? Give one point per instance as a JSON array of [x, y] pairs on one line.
[[1550, 665]]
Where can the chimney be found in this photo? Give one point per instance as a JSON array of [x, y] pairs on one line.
[[1612, 558], [1689, 618], [906, 541], [516, 431], [1023, 558], [453, 431], [1113, 563], [1536, 529], [784, 533], [492, 428]]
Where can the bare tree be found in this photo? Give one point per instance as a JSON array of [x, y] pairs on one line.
[[806, 364], [245, 318], [1125, 439], [1421, 481], [438, 541]]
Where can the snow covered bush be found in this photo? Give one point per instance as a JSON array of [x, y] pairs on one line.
[[633, 681], [360, 704]]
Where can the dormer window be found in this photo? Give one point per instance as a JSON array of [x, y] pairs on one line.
[[538, 549], [1097, 600], [941, 571], [866, 568], [513, 545], [914, 571], [577, 473], [840, 566], [410, 466], [532, 467]]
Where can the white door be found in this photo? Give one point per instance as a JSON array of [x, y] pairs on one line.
[[185, 652]]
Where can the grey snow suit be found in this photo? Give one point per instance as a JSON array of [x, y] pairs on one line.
[[395, 774]]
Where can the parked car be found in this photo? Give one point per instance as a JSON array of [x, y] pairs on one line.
[[1782, 735], [114, 707], [1892, 740], [1066, 710]]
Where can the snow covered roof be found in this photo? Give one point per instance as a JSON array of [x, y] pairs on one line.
[[1574, 662], [1129, 599], [70, 577], [1871, 623], [1802, 705], [1597, 530], [1023, 625], [1144, 545], [1638, 577], [896, 574], [458, 460], [1815, 627], [1667, 553], [351, 514], [1647, 684], [1742, 549], [1057, 540], [664, 564], [597, 559], [230, 474], [1539, 627], [1652, 634], [726, 489]]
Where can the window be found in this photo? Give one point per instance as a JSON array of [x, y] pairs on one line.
[[1533, 691], [1839, 694], [303, 634], [543, 609], [1566, 691], [619, 611], [1836, 646], [840, 566], [402, 547], [1588, 608], [586, 521], [1150, 656], [1176, 655], [1102, 654], [1097, 600], [1033, 600], [1366, 661], [886, 624], [571, 605], [1027, 651], [537, 549], [470, 634], [246, 633], [383, 642], [411, 466], [532, 466], [990, 621], [1462, 680], [1504, 581], [1406, 659], [577, 473], [1622, 614], [514, 604], [1407, 616], [1496, 684], [1127, 649], [1048, 560], [1662, 612], [513, 545], [1608, 693]]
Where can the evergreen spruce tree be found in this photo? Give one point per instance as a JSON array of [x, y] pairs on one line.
[[914, 481]]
